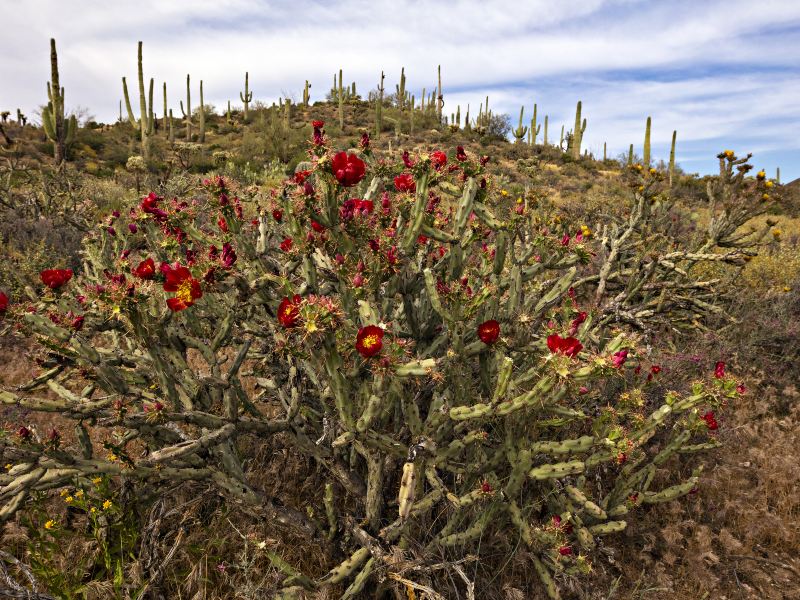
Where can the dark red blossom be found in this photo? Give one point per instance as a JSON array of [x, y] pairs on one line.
[[405, 183], [565, 551], [369, 340], [489, 331], [438, 159], [301, 176], [711, 420], [149, 206], [55, 278], [145, 269], [568, 346], [228, 255], [364, 141], [186, 288], [719, 370], [407, 160], [461, 156], [277, 215], [348, 168], [618, 358], [286, 244], [289, 311], [3, 302]]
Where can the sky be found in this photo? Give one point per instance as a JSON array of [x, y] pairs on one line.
[[724, 73]]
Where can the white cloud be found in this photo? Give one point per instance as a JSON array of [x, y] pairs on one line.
[[716, 70]]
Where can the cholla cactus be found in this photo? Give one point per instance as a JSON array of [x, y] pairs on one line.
[[433, 351]]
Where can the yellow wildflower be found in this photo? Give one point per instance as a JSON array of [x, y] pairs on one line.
[[50, 524], [112, 457], [93, 510], [652, 171], [769, 184], [729, 154], [503, 193], [97, 480], [79, 494], [586, 231], [776, 233], [107, 504], [761, 175], [68, 499], [765, 196], [9, 466]]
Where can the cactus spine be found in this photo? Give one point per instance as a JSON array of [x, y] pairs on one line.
[[672, 159], [646, 153], [145, 114], [247, 96], [187, 114], [577, 133], [60, 131]]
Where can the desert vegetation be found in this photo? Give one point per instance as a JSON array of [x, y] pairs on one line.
[[362, 348]]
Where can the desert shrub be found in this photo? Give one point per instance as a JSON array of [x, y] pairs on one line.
[[458, 373]]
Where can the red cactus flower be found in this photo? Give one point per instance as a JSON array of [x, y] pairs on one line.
[[461, 156], [77, 323], [741, 388], [711, 421], [407, 160], [489, 331], [369, 340], [565, 551], [364, 141], [577, 322], [55, 278], [719, 370], [289, 311], [618, 358], [145, 269], [438, 159], [277, 215], [149, 205], [317, 124], [23, 432], [317, 227], [223, 224], [3, 302], [568, 346], [186, 288], [486, 487], [228, 257], [286, 244], [405, 183], [348, 168]]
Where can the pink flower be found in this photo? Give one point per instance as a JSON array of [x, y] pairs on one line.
[[618, 358]]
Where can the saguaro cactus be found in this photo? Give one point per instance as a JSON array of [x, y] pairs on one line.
[[535, 129], [340, 97], [202, 135], [520, 131], [439, 96], [306, 93], [379, 109], [247, 96], [187, 114], [577, 132], [646, 151], [546, 118], [145, 122], [630, 155], [165, 108], [401, 90], [60, 131], [672, 159]]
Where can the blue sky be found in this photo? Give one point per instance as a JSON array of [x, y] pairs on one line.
[[725, 74]]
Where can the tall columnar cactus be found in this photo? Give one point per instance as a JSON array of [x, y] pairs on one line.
[[379, 109], [59, 130], [778, 175], [535, 129], [605, 155], [166, 109], [646, 151], [246, 97], [577, 132], [287, 114], [546, 118], [439, 96], [187, 112], [228, 117], [630, 155], [306, 94], [201, 137], [672, 159], [520, 131], [411, 115], [21, 118], [145, 122], [171, 129], [561, 138], [340, 98], [119, 119], [401, 90]]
